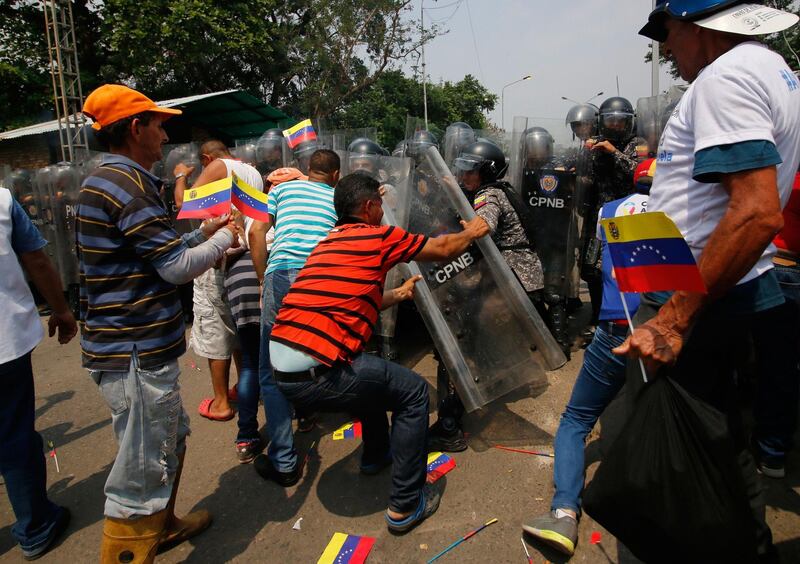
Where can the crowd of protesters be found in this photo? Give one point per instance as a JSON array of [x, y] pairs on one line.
[[293, 301]]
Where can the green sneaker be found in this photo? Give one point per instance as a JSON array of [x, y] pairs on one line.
[[556, 529]]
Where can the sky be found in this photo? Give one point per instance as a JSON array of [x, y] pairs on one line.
[[572, 48]]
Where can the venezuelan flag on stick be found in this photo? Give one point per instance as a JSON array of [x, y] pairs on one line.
[[303, 131], [350, 430], [649, 254], [210, 200], [249, 200], [439, 464], [346, 549]]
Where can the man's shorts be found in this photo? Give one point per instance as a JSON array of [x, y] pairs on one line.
[[213, 331]]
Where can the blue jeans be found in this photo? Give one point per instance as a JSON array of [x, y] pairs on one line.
[[151, 427], [281, 449], [248, 388], [22, 462], [368, 388], [600, 379], [776, 336]]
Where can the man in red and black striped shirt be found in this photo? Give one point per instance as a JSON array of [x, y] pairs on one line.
[[328, 315]]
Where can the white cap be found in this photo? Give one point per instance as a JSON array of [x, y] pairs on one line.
[[749, 19]]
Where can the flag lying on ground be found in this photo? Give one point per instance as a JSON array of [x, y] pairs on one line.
[[439, 464], [207, 201], [248, 200], [296, 134], [350, 430], [649, 254], [346, 549]]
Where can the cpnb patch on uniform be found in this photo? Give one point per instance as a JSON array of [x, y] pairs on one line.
[[548, 182]]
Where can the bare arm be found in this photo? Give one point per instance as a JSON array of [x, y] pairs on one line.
[[403, 292], [257, 241], [750, 223], [214, 171], [453, 244], [44, 276]]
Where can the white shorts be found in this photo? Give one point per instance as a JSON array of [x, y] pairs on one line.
[[213, 331]]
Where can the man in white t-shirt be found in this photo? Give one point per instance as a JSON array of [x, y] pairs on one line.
[[726, 161], [39, 520]]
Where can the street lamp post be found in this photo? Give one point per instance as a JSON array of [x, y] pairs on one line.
[[586, 102], [503, 100]]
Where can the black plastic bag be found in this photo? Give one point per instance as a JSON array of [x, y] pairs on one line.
[[670, 488]]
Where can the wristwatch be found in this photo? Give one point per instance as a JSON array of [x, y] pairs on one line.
[[180, 175]]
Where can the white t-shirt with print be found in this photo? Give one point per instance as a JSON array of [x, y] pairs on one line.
[[747, 94]]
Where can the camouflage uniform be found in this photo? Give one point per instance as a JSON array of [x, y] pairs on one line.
[[612, 178], [509, 236]]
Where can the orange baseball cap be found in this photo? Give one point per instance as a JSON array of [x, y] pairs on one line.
[[113, 102]]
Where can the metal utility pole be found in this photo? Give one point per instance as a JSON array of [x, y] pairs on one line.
[[424, 76], [67, 92]]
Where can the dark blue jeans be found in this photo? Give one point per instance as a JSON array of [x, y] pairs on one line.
[[22, 460], [248, 388], [600, 379], [776, 336], [368, 388]]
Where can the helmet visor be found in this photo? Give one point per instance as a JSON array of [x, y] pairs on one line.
[[467, 163]]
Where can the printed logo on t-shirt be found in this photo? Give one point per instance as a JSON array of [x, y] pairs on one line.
[[664, 156], [791, 80]]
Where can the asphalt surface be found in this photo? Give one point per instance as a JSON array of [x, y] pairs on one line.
[[253, 519]]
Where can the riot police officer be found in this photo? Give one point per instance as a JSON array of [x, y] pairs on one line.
[[364, 155], [549, 190], [582, 119], [302, 153], [615, 154], [269, 151]]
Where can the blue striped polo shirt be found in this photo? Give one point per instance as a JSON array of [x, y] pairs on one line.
[[303, 214], [124, 233]]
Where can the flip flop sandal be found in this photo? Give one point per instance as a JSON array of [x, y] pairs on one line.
[[204, 409]]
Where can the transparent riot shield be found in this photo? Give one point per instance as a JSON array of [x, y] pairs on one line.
[[272, 152], [246, 150], [44, 195], [480, 318], [19, 181], [652, 114], [65, 179], [545, 173], [457, 136], [187, 154]]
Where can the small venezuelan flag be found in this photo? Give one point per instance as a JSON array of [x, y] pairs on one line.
[[249, 200], [303, 131], [439, 464], [649, 254], [210, 200], [346, 549], [350, 430]]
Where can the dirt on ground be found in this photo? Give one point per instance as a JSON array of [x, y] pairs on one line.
[[254, 520]]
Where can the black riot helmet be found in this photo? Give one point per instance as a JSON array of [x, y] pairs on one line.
[[303, 151], [486, 158], [19, 181], [582, 119], [421, 140], [616, 119], [457, 136], [364, 155], [537, 147]]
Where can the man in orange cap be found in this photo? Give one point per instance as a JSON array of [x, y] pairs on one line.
[[131, 261]]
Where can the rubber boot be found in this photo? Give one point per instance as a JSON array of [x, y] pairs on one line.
[[132, 541], [558, 318], [177, 529]]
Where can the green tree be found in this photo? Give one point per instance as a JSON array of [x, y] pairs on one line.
[[393, 97]]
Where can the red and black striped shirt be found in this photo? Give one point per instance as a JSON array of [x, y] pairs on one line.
[[330, 311]]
